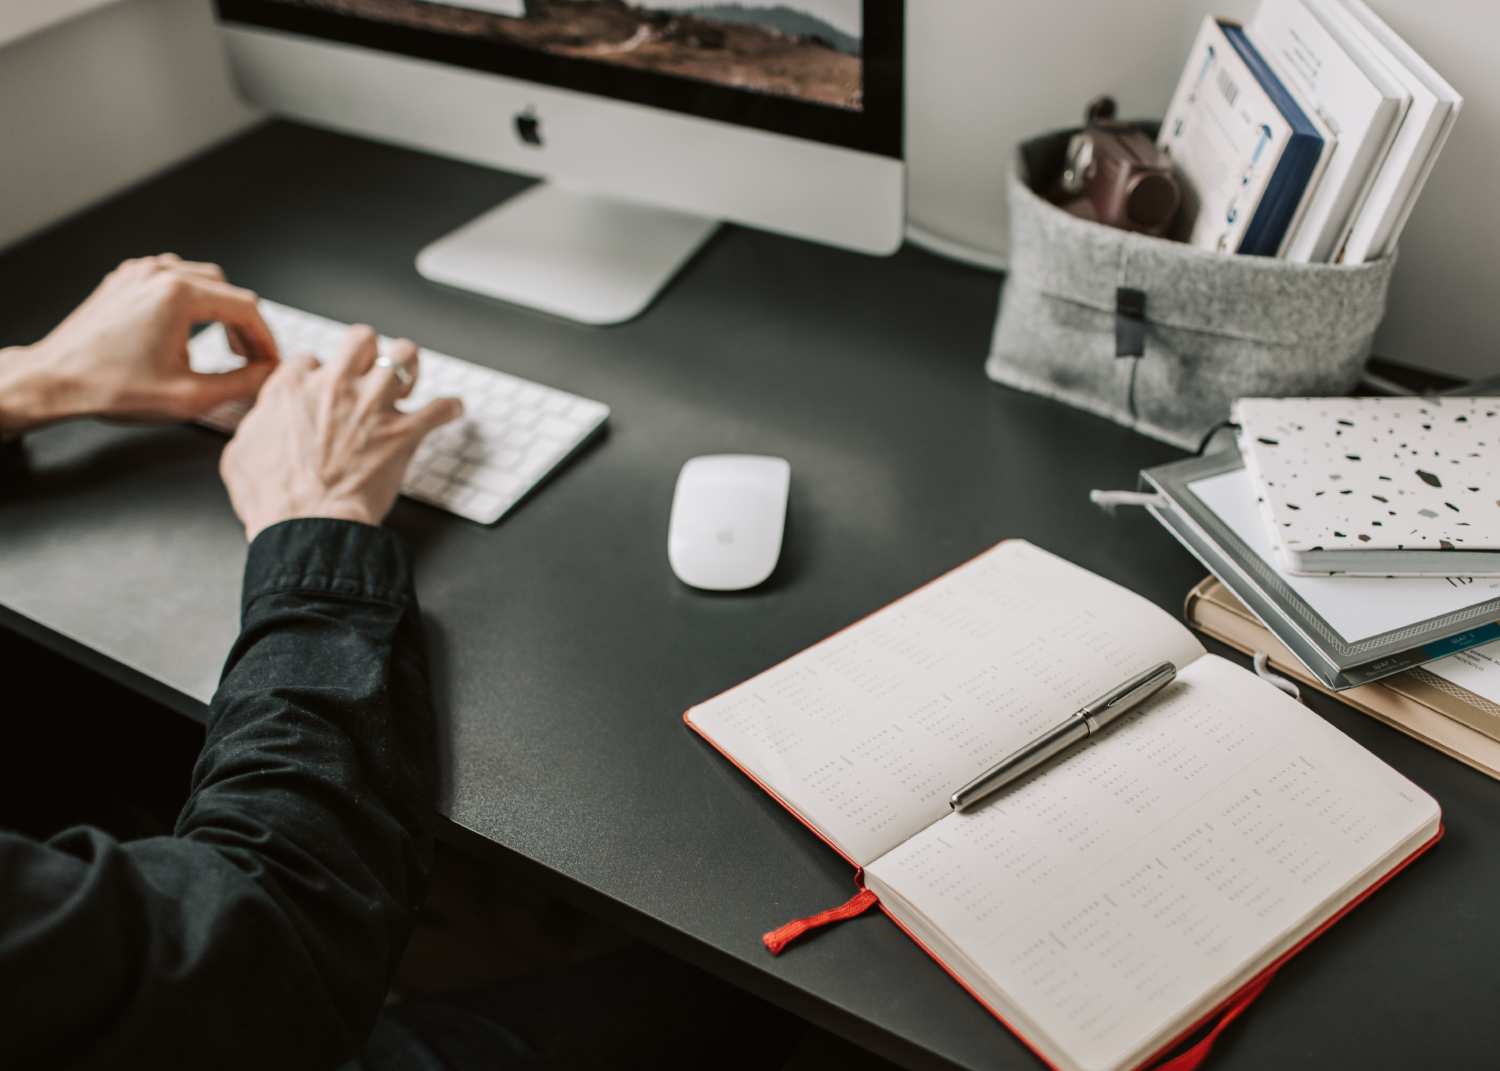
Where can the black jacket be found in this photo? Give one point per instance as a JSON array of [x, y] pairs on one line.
[[265, 932]]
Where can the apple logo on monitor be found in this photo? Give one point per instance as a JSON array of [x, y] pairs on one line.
[[529, 127]]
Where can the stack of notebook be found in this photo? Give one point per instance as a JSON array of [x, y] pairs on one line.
[[1362, 535]]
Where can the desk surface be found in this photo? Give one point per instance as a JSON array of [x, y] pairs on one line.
[[564, 651]]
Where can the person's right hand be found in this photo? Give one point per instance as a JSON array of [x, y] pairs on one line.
[[325, 440]]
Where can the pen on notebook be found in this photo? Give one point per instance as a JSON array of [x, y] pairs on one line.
[[1082, 724]]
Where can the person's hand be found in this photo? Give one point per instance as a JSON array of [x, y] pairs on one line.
[[124, 351], [326, 440]]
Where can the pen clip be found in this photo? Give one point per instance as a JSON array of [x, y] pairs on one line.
[[1128, 696]]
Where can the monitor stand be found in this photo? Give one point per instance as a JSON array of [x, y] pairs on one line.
[[586, 258]]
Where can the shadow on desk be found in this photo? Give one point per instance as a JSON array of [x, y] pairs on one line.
[[80, 750]]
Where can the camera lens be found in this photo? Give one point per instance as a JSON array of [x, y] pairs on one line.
[[1151, 202]]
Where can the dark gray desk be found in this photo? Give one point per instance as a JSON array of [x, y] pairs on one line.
[[564, 649]]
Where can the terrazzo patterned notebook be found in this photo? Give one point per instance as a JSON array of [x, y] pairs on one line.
[[1377, 486]]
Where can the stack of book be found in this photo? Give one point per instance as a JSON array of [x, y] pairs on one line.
[[1356, 541], [1305, 134]]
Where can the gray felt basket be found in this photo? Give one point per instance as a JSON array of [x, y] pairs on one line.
[[1205, 327]]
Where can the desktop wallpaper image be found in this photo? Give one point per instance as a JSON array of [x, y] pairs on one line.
[[806, 49]]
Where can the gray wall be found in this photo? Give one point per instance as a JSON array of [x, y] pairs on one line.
[[102, 101]]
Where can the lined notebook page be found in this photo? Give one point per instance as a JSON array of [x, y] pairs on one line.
[[1119, 891], [868, 733]]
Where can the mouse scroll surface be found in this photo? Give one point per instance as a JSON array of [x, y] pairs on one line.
[[727, 519]]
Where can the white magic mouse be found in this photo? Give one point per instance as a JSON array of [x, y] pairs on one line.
[[727, 518]]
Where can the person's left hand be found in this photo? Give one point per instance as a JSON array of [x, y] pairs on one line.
[[123, 352]]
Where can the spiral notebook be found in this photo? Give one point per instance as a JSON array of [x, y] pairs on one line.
[[1118, 899]]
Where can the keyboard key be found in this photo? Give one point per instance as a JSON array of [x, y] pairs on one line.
[[485, 507], [556, 428], [430, 484]]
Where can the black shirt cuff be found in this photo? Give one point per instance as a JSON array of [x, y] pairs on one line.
[[322, 556]]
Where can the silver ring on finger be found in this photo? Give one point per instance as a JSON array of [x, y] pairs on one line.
[[402, 373]]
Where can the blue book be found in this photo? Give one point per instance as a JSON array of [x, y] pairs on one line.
[[1299, 159]]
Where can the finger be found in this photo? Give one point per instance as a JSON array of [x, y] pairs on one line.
[[199, 268], [208, 390], [357, 352], [238, 343], [295, 369], [431, 416], [394, 374], [234, 307]]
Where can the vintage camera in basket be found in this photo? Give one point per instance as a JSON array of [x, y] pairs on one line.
[[1114, 174]]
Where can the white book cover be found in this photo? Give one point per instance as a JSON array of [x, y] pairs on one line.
[[1420, 138], [1384, 476], [1319, 177], [1358, 101], [1226, 136]]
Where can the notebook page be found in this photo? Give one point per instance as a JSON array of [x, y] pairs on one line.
[[1117, 894], [868, 733]]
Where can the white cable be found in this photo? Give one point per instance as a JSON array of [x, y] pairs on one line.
[[950, 249]]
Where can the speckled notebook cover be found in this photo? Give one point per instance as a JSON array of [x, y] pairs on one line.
[[1379, 474]]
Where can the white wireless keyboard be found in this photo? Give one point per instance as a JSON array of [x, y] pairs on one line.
[[512, 435]]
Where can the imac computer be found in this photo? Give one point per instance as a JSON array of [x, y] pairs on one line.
[[650, 121]]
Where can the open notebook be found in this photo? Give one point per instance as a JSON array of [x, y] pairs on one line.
[[1108, 904]]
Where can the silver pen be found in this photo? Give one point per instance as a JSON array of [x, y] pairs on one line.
[[1086, 721]]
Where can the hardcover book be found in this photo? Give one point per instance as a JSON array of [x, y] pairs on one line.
[[1347, 631], [1249, 154]]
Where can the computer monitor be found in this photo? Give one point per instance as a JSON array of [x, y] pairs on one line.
[[651, 121]]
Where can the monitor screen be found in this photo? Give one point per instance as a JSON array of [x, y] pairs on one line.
[[829, 70]]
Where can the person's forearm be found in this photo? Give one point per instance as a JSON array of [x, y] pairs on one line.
[[329, 678], [34, 391], [317, 770], [266, 932], [24, 393]]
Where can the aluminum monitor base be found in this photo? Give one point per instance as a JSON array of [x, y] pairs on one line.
[[592, 259]]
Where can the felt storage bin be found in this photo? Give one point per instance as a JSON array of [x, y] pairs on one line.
[[1161, 336]]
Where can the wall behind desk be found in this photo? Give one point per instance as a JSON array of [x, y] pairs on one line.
[[105, 100], [984, 74]]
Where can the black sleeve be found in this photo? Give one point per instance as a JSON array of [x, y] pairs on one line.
[[265, 932], [12, 460]]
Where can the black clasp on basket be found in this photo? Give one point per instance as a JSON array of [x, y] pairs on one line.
[[1130, 322]]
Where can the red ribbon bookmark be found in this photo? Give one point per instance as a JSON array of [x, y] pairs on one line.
[[782, 936], [1192, 1058]]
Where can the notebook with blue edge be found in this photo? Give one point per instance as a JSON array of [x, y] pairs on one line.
[[1299, 160]]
